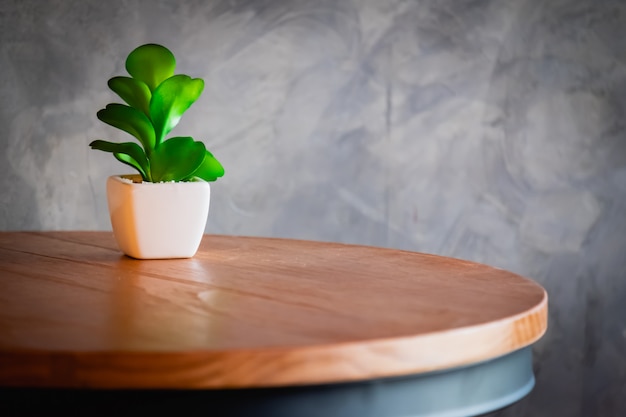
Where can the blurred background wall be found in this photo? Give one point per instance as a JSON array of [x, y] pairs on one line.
[[493, 131]]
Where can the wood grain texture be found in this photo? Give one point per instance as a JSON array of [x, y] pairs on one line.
[[248, 312]]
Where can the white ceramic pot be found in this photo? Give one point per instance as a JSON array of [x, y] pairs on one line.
[[157, 220]]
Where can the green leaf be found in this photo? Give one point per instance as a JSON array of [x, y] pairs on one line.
[[210, 169], [132, 121], [128, 152], [176, 159], [170, 100], [128, 160], [151, 63], [134, 92]]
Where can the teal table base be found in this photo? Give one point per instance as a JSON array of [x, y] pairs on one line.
[[460, 392]]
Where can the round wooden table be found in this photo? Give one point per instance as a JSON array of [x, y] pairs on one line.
[[257, 326]]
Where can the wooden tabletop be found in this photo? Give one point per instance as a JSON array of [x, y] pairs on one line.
[[248, 312]]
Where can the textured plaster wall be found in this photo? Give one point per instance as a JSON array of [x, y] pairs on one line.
[[487, 130]]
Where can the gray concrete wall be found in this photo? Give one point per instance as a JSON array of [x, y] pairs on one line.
[[488, 130]]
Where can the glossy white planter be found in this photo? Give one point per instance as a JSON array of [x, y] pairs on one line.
[[160, 220]]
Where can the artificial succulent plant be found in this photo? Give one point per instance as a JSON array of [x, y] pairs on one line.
[[156, 99]]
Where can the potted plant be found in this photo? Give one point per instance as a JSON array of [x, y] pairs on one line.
[[161, 211]]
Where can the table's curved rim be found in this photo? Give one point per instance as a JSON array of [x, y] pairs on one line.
[[280, 366]]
